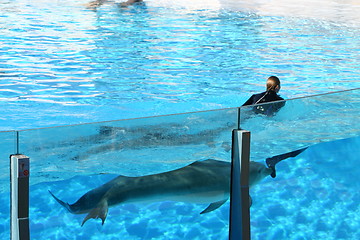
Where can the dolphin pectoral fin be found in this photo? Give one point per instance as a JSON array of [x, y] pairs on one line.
[[99, 212], [213, 206]]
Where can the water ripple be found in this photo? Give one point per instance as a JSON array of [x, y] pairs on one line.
[[64, 54]]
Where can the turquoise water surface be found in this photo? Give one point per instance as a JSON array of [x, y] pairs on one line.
[[63, 63]]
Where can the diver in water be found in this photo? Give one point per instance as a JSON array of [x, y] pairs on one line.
[[270, 95]]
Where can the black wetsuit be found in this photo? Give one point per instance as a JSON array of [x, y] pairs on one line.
[[264, 97]]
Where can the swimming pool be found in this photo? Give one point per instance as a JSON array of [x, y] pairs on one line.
[[65, 64], [314, 194]]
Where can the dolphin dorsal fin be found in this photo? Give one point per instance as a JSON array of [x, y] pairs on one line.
[[213, 206], [99, 212]]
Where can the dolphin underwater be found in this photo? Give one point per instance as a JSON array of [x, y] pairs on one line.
[[206, 181]]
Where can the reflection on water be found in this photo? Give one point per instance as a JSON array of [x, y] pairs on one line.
[[70, 65], [346, 12]]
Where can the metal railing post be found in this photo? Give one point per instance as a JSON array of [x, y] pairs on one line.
[[239, 225], [19, 177]]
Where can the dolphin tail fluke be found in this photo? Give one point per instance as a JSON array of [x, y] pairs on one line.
[[272, 161], [213, 206], [99, 212], [64, 204]]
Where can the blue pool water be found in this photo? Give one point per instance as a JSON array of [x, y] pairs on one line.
[[314, 195], [62, 63]]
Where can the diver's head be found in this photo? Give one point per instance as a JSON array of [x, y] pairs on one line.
[[273, 83]]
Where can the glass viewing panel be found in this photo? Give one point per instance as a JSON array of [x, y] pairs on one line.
[[302, 122], [8, 147], [315, 192], [70, 161]]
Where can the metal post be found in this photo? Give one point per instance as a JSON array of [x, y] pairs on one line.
[[239, 226], [19, 177]]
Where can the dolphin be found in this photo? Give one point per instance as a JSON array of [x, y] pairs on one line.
[[206, 181]]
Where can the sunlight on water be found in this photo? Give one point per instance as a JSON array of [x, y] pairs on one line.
[[69, 64], [344, 12]]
